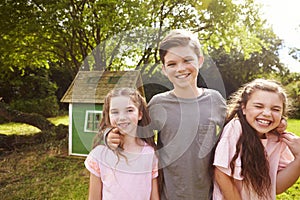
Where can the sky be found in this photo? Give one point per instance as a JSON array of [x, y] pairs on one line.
[[284, 17]]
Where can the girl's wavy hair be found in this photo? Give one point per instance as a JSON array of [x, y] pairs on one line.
[[255, 165], [139, 101]]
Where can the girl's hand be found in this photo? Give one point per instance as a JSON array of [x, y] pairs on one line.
[[114, 139], [293, 143], [282, 126]]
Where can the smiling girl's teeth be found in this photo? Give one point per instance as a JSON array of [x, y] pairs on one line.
[[263, 121], [123, 124]]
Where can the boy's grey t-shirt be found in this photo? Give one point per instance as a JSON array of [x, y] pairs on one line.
[[188, 130]]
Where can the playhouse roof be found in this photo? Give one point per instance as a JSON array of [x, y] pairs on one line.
[[92, 86]]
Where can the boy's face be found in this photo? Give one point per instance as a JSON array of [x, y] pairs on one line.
[[181, 66]]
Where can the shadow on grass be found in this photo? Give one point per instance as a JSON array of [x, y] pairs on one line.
[[43, 171]]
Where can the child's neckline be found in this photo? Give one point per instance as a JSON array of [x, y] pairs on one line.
[[263, 136], [134, 155], [200, 93], [139, 146]]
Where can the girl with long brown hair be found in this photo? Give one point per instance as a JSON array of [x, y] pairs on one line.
[[252, 160]]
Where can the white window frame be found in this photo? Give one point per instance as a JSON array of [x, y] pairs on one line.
[[86, 120]]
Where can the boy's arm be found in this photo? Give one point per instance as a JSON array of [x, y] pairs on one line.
[[227, 186], [289, 175], [95, 188]]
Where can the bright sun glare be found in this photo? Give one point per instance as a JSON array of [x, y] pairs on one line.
[[284, 17]]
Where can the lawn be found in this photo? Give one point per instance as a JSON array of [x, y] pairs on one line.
[[294, 126], [25, 129], [46, 171], [17, 129], [43, 171]]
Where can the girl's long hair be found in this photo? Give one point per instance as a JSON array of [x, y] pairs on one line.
[[255, 165], [142, 132]]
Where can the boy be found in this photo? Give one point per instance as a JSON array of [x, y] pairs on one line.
[[186, 117]]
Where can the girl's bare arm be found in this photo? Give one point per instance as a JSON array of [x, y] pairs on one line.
[[154, 191], [95, 188], [289, 175], [227, 186]]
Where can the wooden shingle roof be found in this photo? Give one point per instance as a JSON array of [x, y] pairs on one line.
[[93, 86]]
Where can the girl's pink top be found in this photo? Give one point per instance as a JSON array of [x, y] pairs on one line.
[[279, 157], [124, 179]]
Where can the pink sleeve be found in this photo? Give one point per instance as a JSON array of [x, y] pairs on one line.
[[155, 167], [226, 149], [285, 158], [92, 165]]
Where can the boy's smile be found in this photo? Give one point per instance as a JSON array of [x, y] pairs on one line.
[[182, 76], [181, 67]]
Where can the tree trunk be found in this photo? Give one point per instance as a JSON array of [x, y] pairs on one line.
[[48, 130], [33, 119]]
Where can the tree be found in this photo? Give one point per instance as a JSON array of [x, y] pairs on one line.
[[291, 81], [295, 53], [237, 70], [64, 36], [48, 130], [68, 31]]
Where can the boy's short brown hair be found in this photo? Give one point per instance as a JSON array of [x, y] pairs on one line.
[[179, 37]]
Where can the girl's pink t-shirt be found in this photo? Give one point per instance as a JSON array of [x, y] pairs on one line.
[[279, 157], [124, 179]]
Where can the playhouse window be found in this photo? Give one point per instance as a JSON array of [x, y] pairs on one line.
[[92, 119], [114, 79]]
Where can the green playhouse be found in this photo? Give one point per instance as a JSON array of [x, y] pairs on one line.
[[85, 96]]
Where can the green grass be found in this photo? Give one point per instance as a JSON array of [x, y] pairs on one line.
[[43, 171], [294, 126], [18, 129], [46, 171], [25, 129], [60, 120]]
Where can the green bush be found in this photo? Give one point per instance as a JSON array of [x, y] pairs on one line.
[[31, 91], [48, 107], [293, 90]]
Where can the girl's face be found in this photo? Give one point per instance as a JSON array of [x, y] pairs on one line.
[[181, 66], [124, 114], [263, 111]]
